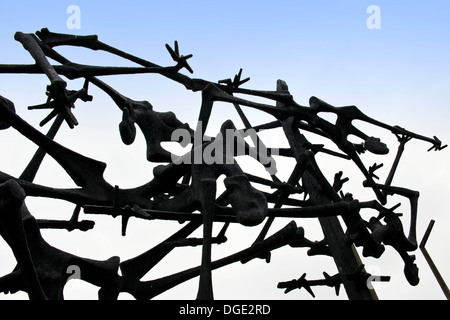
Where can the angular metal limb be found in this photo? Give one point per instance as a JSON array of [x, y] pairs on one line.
[[207, 196], [12, 230], [43, 268], [135, 268], [413, 196], [33, 166], [430, 262], [332, 230], [152, 288]]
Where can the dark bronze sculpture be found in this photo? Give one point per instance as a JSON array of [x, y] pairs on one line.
[[184, 189]]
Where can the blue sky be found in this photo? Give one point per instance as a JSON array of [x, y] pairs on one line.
[[321, 44], [398, 74]]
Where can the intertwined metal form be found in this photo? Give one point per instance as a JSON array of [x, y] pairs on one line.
[[186, 191]]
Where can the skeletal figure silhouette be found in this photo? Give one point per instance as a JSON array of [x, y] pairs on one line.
[[186, 190]]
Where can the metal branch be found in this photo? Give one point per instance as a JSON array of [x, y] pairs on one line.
[[430, 262], [184, 185]]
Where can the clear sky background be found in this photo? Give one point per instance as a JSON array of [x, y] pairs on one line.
[[398, 74]]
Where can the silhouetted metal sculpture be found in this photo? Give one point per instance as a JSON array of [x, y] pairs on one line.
[[185, 189]]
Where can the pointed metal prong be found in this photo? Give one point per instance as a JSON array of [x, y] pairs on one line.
[[50, 116], [47, 105], [177, 50]]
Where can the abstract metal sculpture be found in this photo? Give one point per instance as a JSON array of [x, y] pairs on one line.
[[185, 188]]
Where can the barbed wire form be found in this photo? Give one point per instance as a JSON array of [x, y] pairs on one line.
[[184, 188]]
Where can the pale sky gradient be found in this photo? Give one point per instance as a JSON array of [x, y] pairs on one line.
[[399, 74]]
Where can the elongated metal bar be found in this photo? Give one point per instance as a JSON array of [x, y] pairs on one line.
[[430, 262], [334, 235], [33, 166]]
